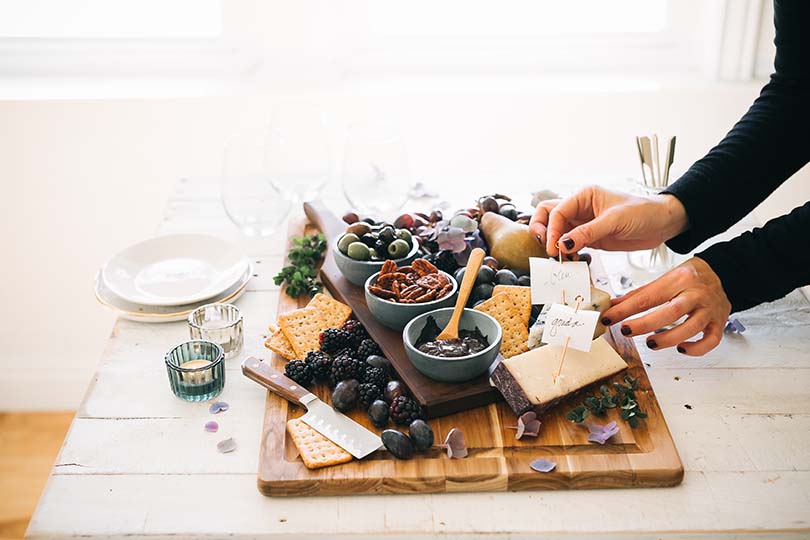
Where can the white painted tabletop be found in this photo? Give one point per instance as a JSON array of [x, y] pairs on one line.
[[137, 463]]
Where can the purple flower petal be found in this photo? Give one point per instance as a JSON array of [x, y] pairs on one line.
[[456, 447], [600, 434], [543, 465], [626, 282], [218, 407], [211, 426], [734, 326], [226, 445], [528, 425]]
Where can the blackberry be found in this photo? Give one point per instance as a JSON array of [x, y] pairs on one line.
[[369, 393], [356, 329], [334, 339], [376, 376], [320, 363], [367, 348], [445, 261], [345, 367], [299, 371], [404, 410]]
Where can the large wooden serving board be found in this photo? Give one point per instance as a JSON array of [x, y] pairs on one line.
[[642, 457]]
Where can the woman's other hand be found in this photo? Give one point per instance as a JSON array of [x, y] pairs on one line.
[[604, 219], [691, 289]]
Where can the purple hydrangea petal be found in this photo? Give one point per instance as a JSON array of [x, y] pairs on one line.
[[543, 465], [218, 407], [456, 447], [626, 282], [734, 326], [211, 426], [528, 425], [601, 434], [226, 445]]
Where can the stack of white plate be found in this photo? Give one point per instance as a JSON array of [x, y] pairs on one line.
[[166, 278]]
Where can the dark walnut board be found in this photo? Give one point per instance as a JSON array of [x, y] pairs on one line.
[[641, 457]]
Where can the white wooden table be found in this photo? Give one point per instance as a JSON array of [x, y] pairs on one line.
[[137, 463]]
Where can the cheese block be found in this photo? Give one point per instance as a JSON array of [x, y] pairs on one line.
[[527, 380], [600, 301]]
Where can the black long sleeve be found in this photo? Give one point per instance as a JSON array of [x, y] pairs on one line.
[[767, 146]]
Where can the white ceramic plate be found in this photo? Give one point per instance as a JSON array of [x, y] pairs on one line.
[[174, 270], [160, 314]]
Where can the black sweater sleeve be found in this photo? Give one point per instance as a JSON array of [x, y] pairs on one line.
[[765, 148]]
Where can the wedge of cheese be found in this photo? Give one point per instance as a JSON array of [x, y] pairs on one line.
[[600, 301], [527, 380]]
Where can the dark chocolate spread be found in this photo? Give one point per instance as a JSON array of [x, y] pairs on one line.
[[468, 342]]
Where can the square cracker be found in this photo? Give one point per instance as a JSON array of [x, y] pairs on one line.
[[303, 327], [521, 296], [279, 344], [515, 331], [316, 450]]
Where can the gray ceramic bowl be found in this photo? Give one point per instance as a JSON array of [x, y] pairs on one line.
[[395, 315], [462, 368], [357, 272]]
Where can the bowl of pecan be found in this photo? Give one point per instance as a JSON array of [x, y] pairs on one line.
[[396, 295]]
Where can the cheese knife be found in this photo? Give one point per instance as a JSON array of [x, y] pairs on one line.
[[335, 426]]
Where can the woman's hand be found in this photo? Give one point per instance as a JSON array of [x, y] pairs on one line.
[[603, 219], [691, 289]]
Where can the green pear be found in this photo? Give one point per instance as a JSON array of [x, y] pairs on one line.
[[510, 242]]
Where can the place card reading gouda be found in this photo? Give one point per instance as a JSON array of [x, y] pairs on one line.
[[568, 323]]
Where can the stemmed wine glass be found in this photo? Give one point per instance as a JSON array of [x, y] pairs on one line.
[[250, 199], [299, 159], [376, 176]]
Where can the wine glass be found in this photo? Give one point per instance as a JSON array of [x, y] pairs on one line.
[[299, 159], [376, 176], [251, 201]]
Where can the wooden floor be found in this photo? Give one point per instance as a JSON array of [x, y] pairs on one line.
[[29, 443]]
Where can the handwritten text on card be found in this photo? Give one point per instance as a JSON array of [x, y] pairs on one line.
[[565, 322], [550, 278]]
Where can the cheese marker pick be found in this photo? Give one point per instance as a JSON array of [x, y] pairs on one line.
[[567, 341]]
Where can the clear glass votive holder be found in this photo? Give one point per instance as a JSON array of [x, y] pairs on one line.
[[196, 370], [220, 323]]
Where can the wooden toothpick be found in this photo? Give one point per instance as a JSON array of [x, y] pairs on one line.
[[579, 300]]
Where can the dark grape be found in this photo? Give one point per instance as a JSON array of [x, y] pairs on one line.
[[508, 211], [518, 272], [421, 435], [485, 275], [378, 361], [489, 204], [378, 412], [481, 292], [459, 274], [524, 281], [585, 257], [345, 395], [492, 262], [393, 390], [505, 277], [399, 444]]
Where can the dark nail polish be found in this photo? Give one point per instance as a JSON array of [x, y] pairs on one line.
[[681, 350], [652, 344], [568, 243], [626, 331], [605, 321]]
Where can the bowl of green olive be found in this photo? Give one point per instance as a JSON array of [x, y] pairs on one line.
[[361, 251]]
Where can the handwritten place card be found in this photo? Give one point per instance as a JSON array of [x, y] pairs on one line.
[[550, 278], [563, 322]]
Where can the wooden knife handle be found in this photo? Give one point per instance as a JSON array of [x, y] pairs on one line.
[[323, 218], [258, 371]]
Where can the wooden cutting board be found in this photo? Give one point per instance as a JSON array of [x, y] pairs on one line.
[[641, 457]]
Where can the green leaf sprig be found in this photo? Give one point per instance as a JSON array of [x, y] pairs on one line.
[[301, 275], [622, 396]]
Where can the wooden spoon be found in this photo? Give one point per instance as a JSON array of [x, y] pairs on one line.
[[473, 265]]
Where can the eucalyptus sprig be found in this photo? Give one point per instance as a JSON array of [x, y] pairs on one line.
[[301, 275], [623, 396]]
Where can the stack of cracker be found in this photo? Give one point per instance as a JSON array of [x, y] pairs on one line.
[[316, 450], [511, 306], [297, 332]]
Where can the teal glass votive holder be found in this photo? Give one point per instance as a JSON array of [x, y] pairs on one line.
[[196, 370]]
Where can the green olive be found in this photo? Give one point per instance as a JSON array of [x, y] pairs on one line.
[[358, 251], [345, 240], [360, 228], [398, 249], [404, 234]]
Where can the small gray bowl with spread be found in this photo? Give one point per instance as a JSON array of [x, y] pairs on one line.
[[457, 368]]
